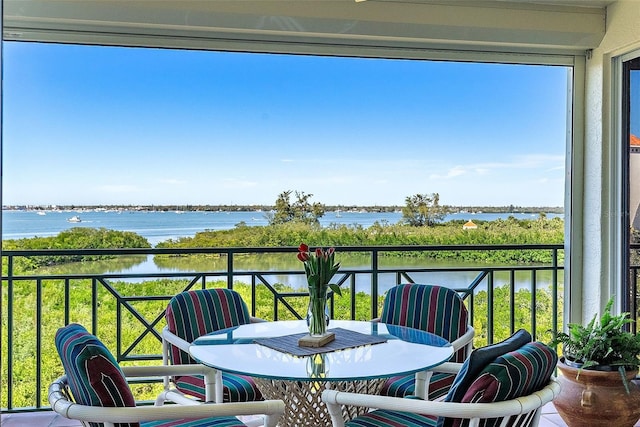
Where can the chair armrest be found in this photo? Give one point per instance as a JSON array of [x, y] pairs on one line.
[[521, 405], [161, 370], [464, 340], [448, 368], [60, 404], [175, 340], [257, 320]]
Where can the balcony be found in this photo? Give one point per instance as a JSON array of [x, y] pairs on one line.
[[119, 308]]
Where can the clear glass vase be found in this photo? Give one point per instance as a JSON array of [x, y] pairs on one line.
[[318, 315], [318, 366]]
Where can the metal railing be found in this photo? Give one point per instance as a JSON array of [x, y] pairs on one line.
[[130, 320]]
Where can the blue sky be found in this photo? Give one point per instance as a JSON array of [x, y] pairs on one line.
[[112, 125]]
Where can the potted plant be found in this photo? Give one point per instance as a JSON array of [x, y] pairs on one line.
[[598, 362]]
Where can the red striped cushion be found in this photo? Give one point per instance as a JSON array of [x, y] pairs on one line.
[[514, 374], [480, 358], [195, 313], [204, 422], [382, 418], [430, 308], [93, 374], [404, 386], [235, 388]]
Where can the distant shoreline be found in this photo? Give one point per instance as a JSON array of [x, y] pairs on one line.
[[258, 208]]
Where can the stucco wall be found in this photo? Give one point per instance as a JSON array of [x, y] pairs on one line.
[[601, 244]]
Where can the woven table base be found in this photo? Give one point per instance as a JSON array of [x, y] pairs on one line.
[[303, 399]]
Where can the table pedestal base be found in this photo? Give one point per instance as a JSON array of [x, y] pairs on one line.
[[303, 399]]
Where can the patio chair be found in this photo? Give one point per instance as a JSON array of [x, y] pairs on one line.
[[435, 309], [509, 390], [189, 315], [95, 391]]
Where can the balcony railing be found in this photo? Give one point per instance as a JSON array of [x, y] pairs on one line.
[[127, 317]]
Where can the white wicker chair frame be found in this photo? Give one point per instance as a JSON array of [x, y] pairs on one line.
[[270, 410]]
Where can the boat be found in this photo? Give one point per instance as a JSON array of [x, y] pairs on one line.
[[74, 218], [41, 213]]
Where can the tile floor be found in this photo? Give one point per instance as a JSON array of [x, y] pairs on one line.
[[550, 418]]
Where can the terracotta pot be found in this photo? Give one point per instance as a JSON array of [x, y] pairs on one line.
[[590, 398]]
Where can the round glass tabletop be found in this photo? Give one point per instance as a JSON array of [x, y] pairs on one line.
[[402, 351]]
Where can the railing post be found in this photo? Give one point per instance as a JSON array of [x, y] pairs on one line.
[[38, 343], [554, 293], [374, 283], [534, 303], [9, 360], [94, 306], [490, 308], [230, 269], [512, 301]]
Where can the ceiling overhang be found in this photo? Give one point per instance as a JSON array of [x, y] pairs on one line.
[[307, 26]]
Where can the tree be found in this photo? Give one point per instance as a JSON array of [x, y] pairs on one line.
[[301, 210], [423, 209]]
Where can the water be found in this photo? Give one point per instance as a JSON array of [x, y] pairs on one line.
[[160, 226]]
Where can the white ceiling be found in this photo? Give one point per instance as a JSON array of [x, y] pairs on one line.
[[306, 26]]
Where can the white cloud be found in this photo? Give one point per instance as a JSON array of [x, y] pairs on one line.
[[530, 161], [451, 173]]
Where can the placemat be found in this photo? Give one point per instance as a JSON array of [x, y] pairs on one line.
[[344, 339]]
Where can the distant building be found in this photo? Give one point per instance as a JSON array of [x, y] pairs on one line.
[[634, 181], [469, 225]]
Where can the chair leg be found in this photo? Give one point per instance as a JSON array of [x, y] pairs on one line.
[[422, 384]]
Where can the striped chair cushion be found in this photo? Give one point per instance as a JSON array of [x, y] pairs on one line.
[[192, 314], [235, 388], [405, 386], [514, 374], [511, 375], [382, 418], [204, 422], [479, 359], [430, 308], [94, 376]]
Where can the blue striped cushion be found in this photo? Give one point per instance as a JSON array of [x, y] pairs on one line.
[[430, 308], [192, 314], [404, 386], [511, 375], [93, 374], [204, 422], [479, 359], [514, 374], [235, 388], [382, 418]]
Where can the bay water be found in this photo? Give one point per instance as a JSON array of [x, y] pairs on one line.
[[158, 226]]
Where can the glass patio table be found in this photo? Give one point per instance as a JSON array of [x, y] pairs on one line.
[[299, 380]]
